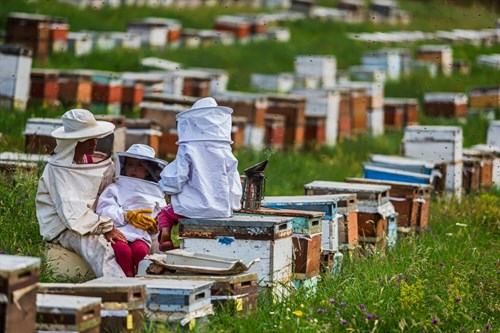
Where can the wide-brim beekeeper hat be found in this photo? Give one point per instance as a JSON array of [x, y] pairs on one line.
[[81, 124], [205, 121], [153, 165]]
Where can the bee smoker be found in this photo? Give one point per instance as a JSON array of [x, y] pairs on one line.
[[253, 186]]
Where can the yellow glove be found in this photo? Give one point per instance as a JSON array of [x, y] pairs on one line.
[[139, 219]]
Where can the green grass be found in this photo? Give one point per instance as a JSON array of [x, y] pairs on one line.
[[448, 273]]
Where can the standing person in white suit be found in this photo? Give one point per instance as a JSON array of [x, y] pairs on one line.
[[133, 201], [203, 180], [68, 190]]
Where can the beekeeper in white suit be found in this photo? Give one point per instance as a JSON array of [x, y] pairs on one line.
[[203, 180], [68, 191]]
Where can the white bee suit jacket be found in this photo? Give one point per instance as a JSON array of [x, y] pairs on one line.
[[65, 202], [203, 180], [129, 194]]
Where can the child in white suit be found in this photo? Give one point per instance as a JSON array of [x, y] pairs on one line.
[[132, 202], [203, 180]]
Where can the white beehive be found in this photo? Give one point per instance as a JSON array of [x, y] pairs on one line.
[[15, 71], [439, 144], [323, 103], [323, 67]]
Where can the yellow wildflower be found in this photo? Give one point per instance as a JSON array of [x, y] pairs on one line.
[[298, 313]]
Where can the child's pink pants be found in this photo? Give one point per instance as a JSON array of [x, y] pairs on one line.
[[167, 218], [128, 255]]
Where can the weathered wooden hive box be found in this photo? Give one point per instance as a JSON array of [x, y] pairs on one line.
[[307, 226], [245, 238], [449, 105], [376, 215], [38, 135], [411, 201], [495, 169], [238, 291], [18, 286], [327, 205], [123, 301], [177, 301], [10, 161], [44, 86], [64, 313], [478, 169], [75, 88]]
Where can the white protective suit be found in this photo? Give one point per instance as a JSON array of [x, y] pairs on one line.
[[65, 201], [203, 180], [128, 193]]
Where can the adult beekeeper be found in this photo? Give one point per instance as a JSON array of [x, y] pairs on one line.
[[69, 187], [203, 180]]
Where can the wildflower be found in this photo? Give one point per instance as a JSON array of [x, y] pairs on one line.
[[462, 329], [342, 304], [343, 322], [332, 301], [474, 316], [458, 299], [361, 306], [369, 316], [487, 327], [441, 264], [435, 321], [319, 310], [428, 229], [298, 313]]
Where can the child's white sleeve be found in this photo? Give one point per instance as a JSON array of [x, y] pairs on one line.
[[175, 174], [107, 205]]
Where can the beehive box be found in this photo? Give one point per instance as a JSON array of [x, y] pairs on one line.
[[307, 226], [410, 201], [75, 88], [372, 171], [11, 161], [38, 138], [44, 86], [373, 206], [238, 291], [168, 297], [307, 255], [123, 301], [485, 160], [438, 144], [18, 286], [63, 313], [245, 238], [325, 204], [495, 151], [403, 163]]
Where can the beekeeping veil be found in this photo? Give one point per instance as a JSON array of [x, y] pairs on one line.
[[146, 154]]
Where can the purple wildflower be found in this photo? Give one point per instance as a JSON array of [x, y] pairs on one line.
[[458, 299], [320, 310], [369, 316], [428, 228], [435, 321], [343, 322], [332, 301], [361, 306], [342, 304], [487, 327]]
